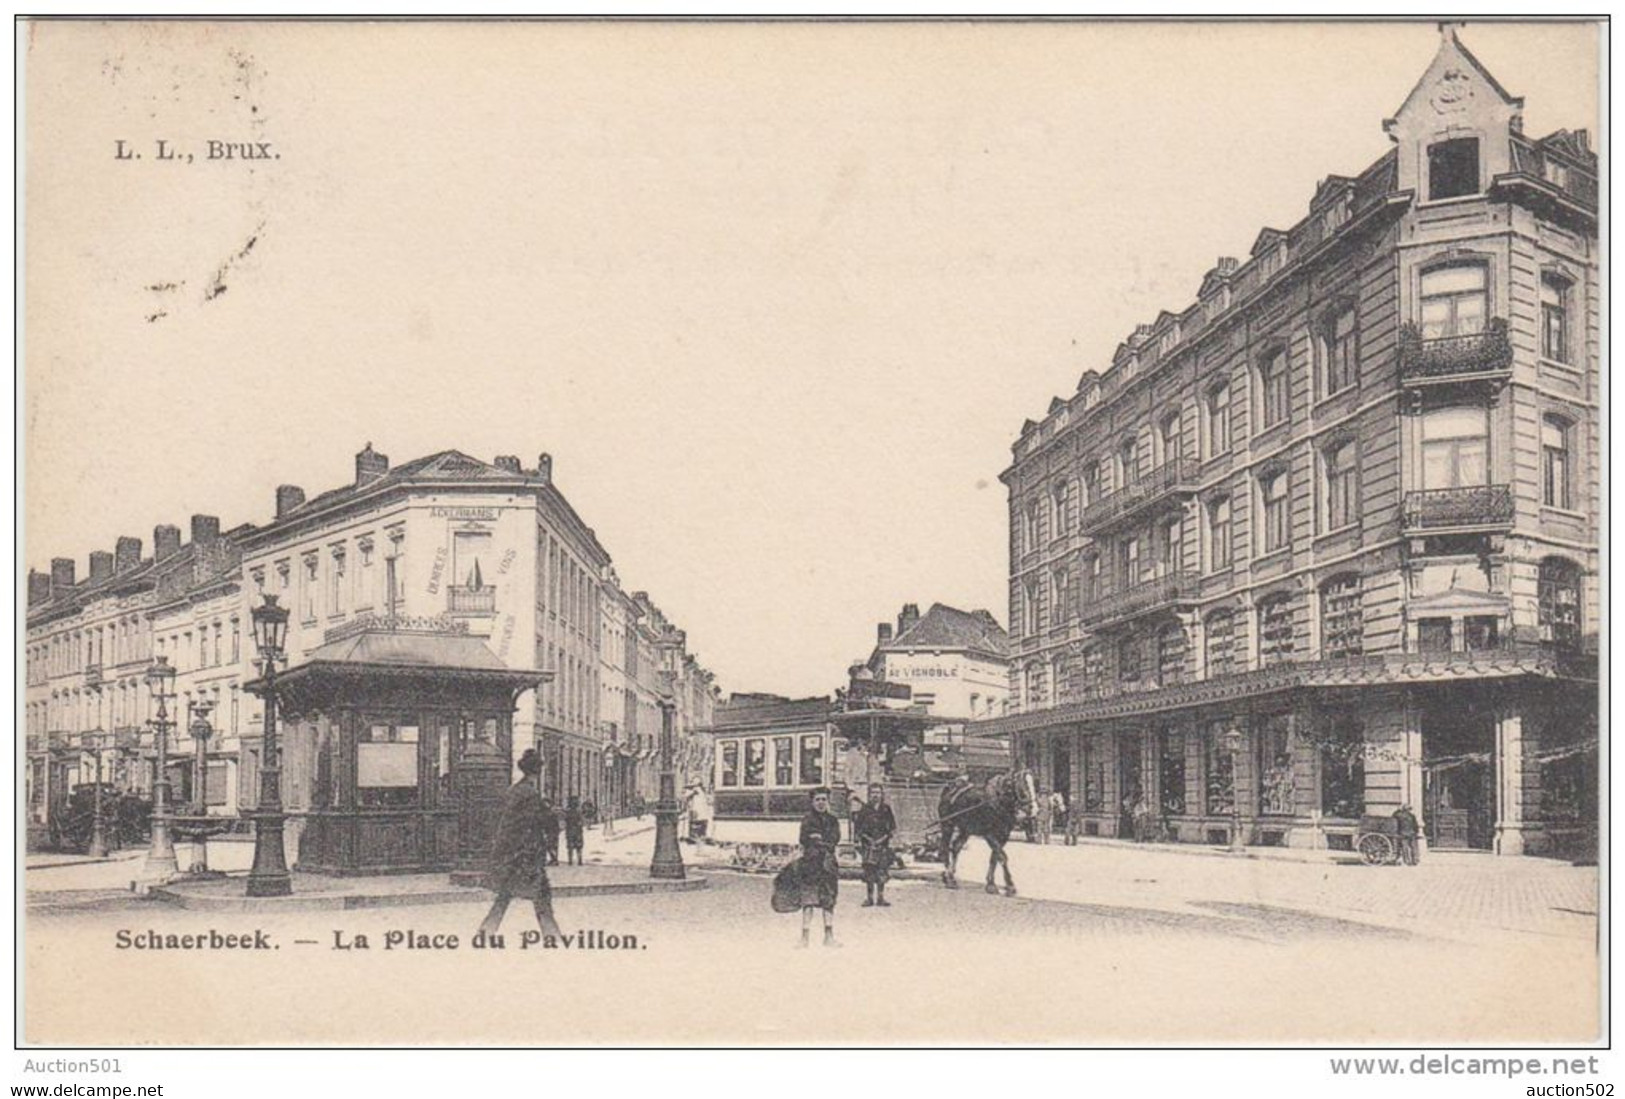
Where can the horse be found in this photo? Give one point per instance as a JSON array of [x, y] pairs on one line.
[[991, 812]]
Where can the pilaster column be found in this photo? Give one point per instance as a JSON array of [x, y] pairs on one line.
[[1509, 821]]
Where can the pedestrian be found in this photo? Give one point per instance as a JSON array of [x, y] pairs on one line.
[[575, 832], [812, 882], [519, 852], [1058, 810], [873, 828], [1408, 830], [550, 832], [1046, 820]]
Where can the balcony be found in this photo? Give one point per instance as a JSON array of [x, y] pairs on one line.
[[1146, 597], [1479, 356], [1170, 481], [464, 599], [1459, 510]]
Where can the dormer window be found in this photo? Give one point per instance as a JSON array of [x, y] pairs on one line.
[[1453, 168]]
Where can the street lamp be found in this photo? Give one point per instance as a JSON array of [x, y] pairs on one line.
[[1232, 745], [198, 725], [98, 829], [160, 865], [269, 876], [668, 856]]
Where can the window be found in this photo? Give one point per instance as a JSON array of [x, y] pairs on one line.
[[236, 640], [219, 630], [1218, 420], [1128, 466], [1030, 527], [1554, 318], [1168, 437], [387, 765], [1342, 623], [755, 762], [1275, 631], [1058, 508], [307, 591], [812, 759], [730, 764], [1062, 588], [1555, 433], [1433, 635], [1454, 301], [1338, 350], [1272, 387], [1170, 655], [1273, 739], [1218, 771], [1272, 490], [1091, 579], [1130, 658], [1453, 168], [1091, 485], [1342, 769], [1481, 632], [1131, 561], [1171, 771], [1455, 447], [1035, 621], [1171, 545], [784, 761], [1218, 533], [1342, 506], [1559, 598], [335, 582]]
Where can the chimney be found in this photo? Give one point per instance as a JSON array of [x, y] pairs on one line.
[[166, 540], [61, 573], [544, 468], [126, 554], [906, 620], [205, 530], [101, 565], [369, 466], [39, 586], [508, 462], [288, 497], [1582, 138], [884, 633]]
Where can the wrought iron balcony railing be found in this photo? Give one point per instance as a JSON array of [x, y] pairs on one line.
[[1476, 354], [1139, 599], [1168, 481], [1471, 507], [469, 600]]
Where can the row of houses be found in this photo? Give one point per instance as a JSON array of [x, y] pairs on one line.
[[489, 549]]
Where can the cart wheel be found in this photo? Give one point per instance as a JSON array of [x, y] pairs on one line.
[[1375, 849]]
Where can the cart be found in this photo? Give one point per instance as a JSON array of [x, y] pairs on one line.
[[918, 834], [1378, 841]]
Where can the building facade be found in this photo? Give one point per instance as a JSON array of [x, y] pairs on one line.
[[493, 548], [1345, 505], [955, 663]]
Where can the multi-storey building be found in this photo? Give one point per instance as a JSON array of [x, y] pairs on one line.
[[493, 547], [955, 663], [1345, 505]]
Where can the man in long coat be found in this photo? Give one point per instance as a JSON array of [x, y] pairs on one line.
[[814, 877], [519, 853], [873, 828]]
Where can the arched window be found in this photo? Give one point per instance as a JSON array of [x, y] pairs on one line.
[[1218, 420], [1057, 495], [1342, 622], [1219, 634], [1556, 437], [1276, 643], [1559, 595], [1030, 527]]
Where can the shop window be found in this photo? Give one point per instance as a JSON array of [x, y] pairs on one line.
[[387, 765], [1342, 502], [1559, 601], [1455, 300], [1171, 772], [1219, 533], [1554, 318], [1272, 388], [1342, 623], [1455, 447], [1481, 632], [1219, 772], [755, 762], [1342, 769], [1275, 631], [812, 760], [1272, 738], [1277, 525], [1434, 635], [1094, 776], [1219, 632], [730, 763], [784, 761], [1556, 435], [1218, 420], [1453, 168]]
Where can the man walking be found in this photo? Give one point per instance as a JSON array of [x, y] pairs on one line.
[[550, 832], [873, 828], [575, 832], [1408, 830], [518, 852]]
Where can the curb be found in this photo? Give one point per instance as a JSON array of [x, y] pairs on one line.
[[309, 902]]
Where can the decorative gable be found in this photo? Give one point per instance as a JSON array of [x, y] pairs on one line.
[[1456, 100]]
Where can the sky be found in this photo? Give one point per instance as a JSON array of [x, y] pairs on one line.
[[777, 299]]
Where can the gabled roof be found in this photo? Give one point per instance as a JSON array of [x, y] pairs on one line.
[[1267, 239], [1330, 190], [1450, 50], [944, 627]]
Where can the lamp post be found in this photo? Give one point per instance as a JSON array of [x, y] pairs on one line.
[[160, 865], [269, 875], [98, 826], [197, 723], [1232, 745], [668, 856]]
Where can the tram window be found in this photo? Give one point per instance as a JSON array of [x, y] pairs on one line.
[[730, 764], [812, 760], [755, 762], [784, 761]]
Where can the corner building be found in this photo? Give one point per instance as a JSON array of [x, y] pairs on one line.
[[1344, 504]]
